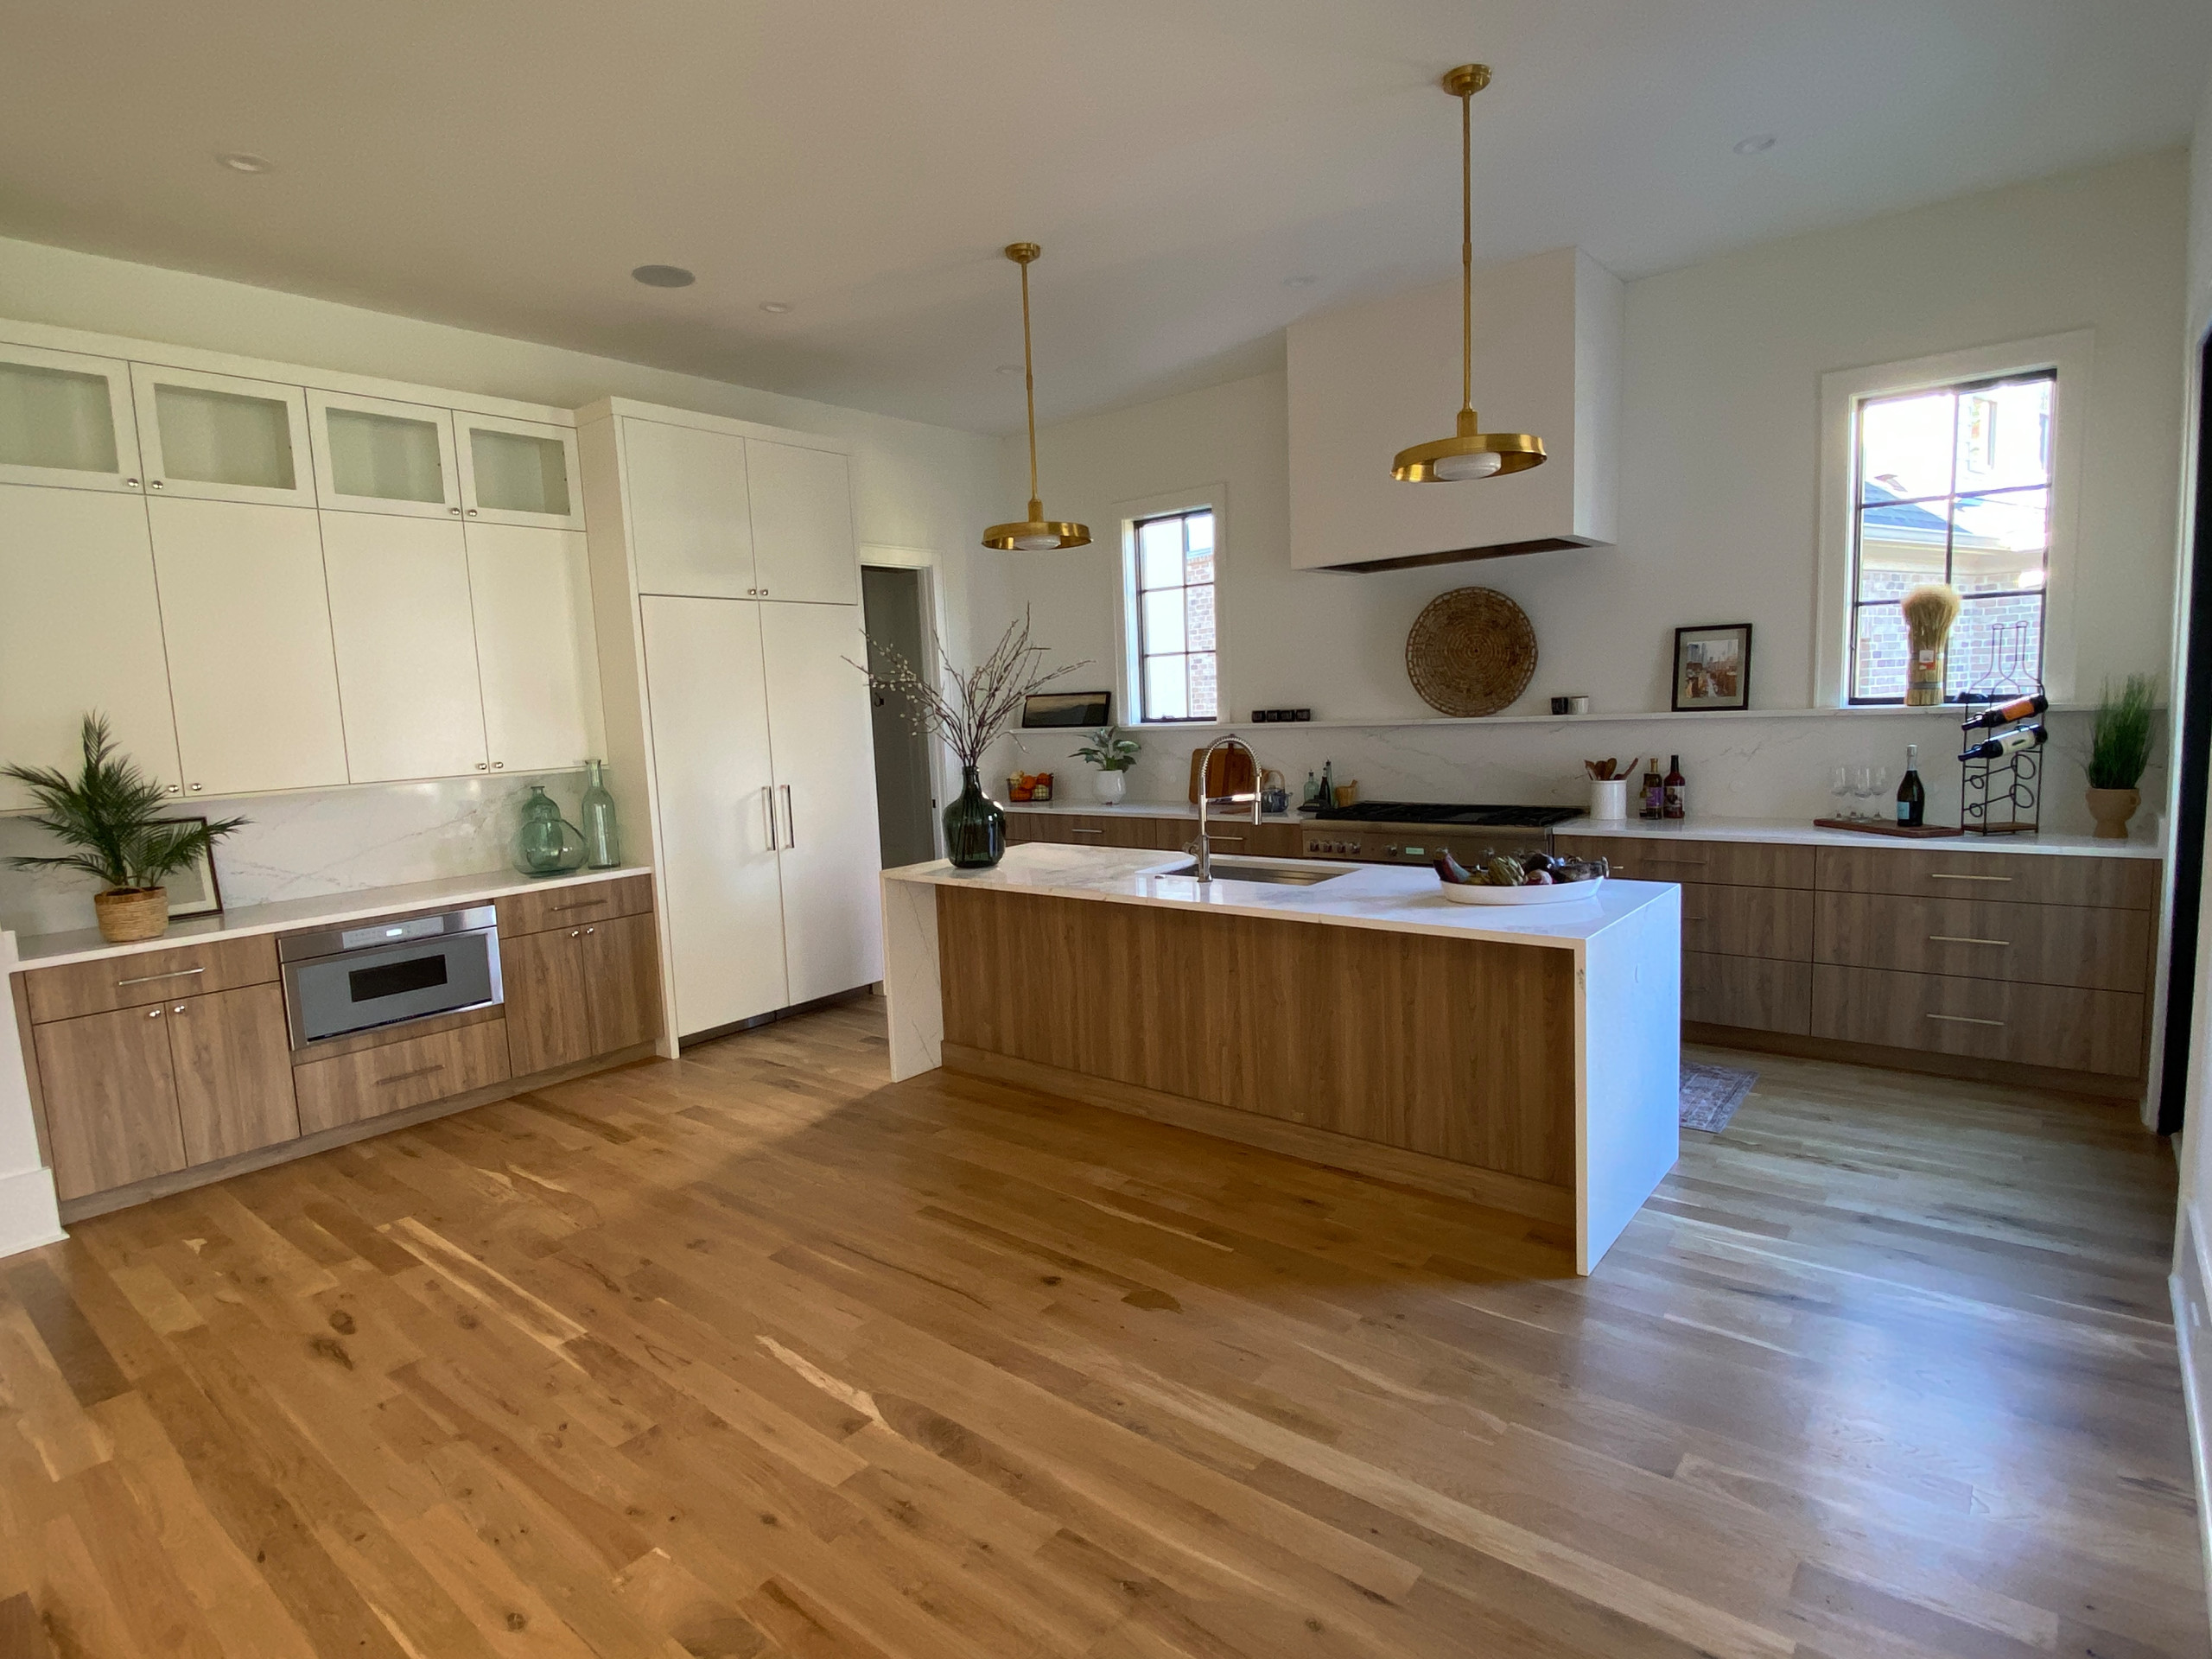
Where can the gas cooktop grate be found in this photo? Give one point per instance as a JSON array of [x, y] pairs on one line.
[[1436, 812]]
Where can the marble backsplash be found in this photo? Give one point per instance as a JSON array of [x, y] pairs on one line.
[[305, 842], [1738, 765]]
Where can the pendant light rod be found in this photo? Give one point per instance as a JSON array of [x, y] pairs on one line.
[[1035, 534], [1467, 246], [1022, 253]]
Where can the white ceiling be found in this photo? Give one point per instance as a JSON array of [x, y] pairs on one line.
[[503, 164]]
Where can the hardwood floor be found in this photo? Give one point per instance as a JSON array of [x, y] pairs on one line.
[[754, 1354]]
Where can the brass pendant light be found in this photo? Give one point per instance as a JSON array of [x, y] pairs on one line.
[[1036, 534], [1470, 453]]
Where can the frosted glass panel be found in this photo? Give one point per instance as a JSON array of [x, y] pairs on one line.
[[222, 437], [515, 473], [55, 417], [386, 456]]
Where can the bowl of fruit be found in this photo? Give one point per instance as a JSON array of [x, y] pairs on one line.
[[1521, 879]]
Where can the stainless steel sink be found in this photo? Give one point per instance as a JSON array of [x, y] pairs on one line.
[[1278, 875]]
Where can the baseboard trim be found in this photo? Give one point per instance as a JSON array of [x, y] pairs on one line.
[[184, 1180], [1539, 1201], [1963, 1066]]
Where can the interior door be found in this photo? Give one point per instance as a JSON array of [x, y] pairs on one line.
[[219, 437], [537, 651], [374, 456], [80, 629], [719, 815], [66, 419], [251, 669], [691, 520], [405, 638], [825, 793], [803, 542]]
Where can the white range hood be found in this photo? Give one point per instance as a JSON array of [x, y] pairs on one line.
[[1367, 380]]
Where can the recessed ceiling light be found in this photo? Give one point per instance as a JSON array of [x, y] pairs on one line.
[[1298, 282], [1009, 368], [1757, 144], [239, 161], [664, 276], [775, 307]]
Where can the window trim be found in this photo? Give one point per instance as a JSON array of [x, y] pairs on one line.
[[1128, 626], [2069, 356]]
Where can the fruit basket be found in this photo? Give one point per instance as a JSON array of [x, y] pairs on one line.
[[1558, 893]]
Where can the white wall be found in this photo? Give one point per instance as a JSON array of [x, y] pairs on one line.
[[1717, 511]]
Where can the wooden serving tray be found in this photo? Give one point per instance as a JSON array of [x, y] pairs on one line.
[[1917, 832]]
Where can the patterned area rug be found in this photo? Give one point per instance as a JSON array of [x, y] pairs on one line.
[[1711, 1095]]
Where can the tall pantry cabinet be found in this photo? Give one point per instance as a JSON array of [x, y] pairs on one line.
[[726, 588]]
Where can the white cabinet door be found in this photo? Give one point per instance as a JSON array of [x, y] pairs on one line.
[[252, 671], [537, 651], [517, 473], [80, 630], [825, 753], [690, 523], [374, 456], [718, 822], [406, 643], [803, 544], [217, 437], [66, 419]]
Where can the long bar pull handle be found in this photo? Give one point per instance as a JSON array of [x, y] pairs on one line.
[[1947, 876], [1960, 938], [407, 1076], [768, 801], [790, 825], [1963, 1020], [149, 979]]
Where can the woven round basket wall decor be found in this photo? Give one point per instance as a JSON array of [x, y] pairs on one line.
[[1471, 651]]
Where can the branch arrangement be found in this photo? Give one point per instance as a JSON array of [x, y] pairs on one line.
[[975, 707]]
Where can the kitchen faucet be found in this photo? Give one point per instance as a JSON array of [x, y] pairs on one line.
[[1202, 846]]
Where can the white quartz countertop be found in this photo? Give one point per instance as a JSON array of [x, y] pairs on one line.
[[1797, 832], [53, 950], [1389, 897]]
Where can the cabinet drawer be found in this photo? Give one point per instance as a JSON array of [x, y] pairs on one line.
[[2016, 878], [146, 977], [1748, 992], [2040, 944], [1773, 921], [2057, 1026], [589, 901], [374, 1081], [1727, 863]]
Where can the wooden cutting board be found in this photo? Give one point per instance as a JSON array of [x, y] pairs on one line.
[[1232, 773]]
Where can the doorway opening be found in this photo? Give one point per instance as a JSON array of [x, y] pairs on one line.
[[2194, 704], [894, 606]]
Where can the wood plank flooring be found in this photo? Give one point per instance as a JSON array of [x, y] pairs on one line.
[[755, 1354]]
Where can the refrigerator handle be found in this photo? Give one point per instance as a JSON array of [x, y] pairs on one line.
[[768, 801], [791, 825]]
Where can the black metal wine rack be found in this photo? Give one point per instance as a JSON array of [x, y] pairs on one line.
[[1999, 797]]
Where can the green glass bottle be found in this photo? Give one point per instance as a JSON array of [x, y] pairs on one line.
[[602, 840], [547, 844]]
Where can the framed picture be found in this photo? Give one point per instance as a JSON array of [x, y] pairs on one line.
[[1087, 708], [193, 890], [1712, 666]]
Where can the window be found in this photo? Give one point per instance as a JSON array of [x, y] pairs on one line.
[[1953, 483], [1177, 671]]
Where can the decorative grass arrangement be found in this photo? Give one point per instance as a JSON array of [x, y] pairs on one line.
[[1929, 611], [2120, 741]]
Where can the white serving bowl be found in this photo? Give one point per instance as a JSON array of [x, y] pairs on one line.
[[1556, 893]]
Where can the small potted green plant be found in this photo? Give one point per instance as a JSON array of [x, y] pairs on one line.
[[112, 813], [1113, 752], [2119, 752]]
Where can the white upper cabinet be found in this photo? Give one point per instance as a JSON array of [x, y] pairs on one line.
[[216, 437], [802, 541], [690, 514], [80, 631], [64, 418], [519, 473], [251, 669], [537, 652], [374, 456], [405, 638]]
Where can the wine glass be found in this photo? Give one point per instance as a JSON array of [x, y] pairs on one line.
[[1862, 786], [1840, 792], [1887, 813]]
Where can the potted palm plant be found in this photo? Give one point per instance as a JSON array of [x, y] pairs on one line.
[[2119, 751], [1113, 752], [111, 813]]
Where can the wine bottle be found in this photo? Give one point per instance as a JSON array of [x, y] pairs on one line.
[[2004, 714], [1912, 798], [1674, 798], [1996, 748], [1654, 795]]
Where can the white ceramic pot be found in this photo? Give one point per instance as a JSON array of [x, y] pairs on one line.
[[1109, 786], [1609, 799]]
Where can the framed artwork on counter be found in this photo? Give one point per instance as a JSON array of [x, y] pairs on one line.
[[194, 890], [1712, 667]]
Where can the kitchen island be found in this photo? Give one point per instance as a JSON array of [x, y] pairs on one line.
[[1524, 1058]]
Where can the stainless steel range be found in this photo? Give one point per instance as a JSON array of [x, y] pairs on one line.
[[1415, 832]]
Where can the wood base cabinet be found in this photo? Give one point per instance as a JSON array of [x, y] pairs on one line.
[[573, 993], [375, 1082]]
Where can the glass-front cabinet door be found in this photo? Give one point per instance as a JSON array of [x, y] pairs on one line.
[[65, 419], [519, 473], [373, 456], [217, 437]]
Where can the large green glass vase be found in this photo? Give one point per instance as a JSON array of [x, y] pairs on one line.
[[547, 844], [975, 827]]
